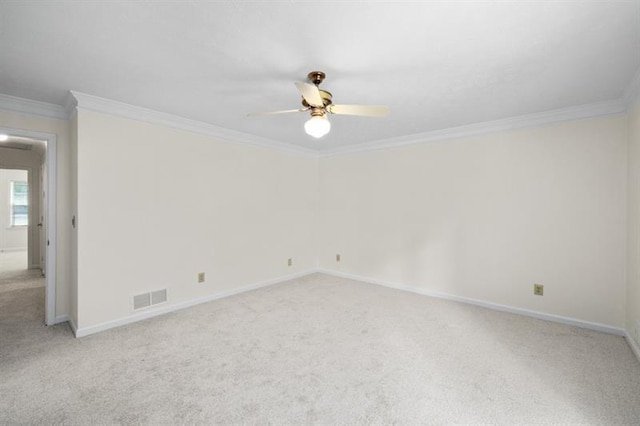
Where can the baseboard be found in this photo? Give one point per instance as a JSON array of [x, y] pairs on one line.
[[495, 306], [60, 319], [632, 343], [73, 326], [85, 331]]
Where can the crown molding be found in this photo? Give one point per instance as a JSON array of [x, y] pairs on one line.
[[599, 109], [29, 107], [120, 109], [77, 100], [632, 94], [70, 105]]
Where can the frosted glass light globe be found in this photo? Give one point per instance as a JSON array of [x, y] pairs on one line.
[[317, 126]]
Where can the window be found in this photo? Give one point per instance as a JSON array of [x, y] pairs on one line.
[[19, 203]]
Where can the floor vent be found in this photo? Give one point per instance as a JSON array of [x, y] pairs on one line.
[[141, 301], [145, 300], [159, 296]]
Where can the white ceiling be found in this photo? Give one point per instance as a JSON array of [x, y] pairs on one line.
[[436, 64]]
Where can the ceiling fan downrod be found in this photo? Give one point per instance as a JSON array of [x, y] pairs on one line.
[[316, 77]]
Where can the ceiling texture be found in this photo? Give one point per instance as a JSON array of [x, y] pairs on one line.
[[437, 65]]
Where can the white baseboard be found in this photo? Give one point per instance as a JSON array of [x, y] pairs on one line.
[[495, 306], [73, 326], [632, 343], [60, 319], [85, 331]]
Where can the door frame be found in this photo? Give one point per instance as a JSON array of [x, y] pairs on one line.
[[50, 218]]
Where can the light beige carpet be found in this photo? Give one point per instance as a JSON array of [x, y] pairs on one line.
[[14, 274], [319, 350]]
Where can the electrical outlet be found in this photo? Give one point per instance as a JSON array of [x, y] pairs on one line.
[[538, 289], [337, 258], [201, 277], [290, 262]]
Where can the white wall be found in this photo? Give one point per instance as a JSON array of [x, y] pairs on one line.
[[61, 129], [156, 205], [11, 238], [486, 217], [633, 242]]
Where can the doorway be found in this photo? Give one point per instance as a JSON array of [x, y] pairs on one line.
[[27, 226], [22, 282]]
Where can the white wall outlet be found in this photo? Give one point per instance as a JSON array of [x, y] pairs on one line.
[[290, 262], [201, 277]]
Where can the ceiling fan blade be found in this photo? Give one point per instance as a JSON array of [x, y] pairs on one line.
[[363, 110], [310, 93], [254, 114]]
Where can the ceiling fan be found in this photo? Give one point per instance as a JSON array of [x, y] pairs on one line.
[[320, 105]]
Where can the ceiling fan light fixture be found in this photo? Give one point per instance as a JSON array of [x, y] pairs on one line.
[[319, 103], [317, 126]]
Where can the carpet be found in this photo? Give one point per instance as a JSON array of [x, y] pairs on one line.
[[319, 350]]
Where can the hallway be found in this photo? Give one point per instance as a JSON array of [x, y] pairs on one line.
[[22, 290]]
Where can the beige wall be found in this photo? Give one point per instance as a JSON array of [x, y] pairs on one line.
[[486, 217], [61, 129], [633, 242], [481, 217], [156, 206], [11, 238]]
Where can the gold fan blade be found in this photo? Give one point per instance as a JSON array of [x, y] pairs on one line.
[[311, 94], [362, 110], [254, 114]]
